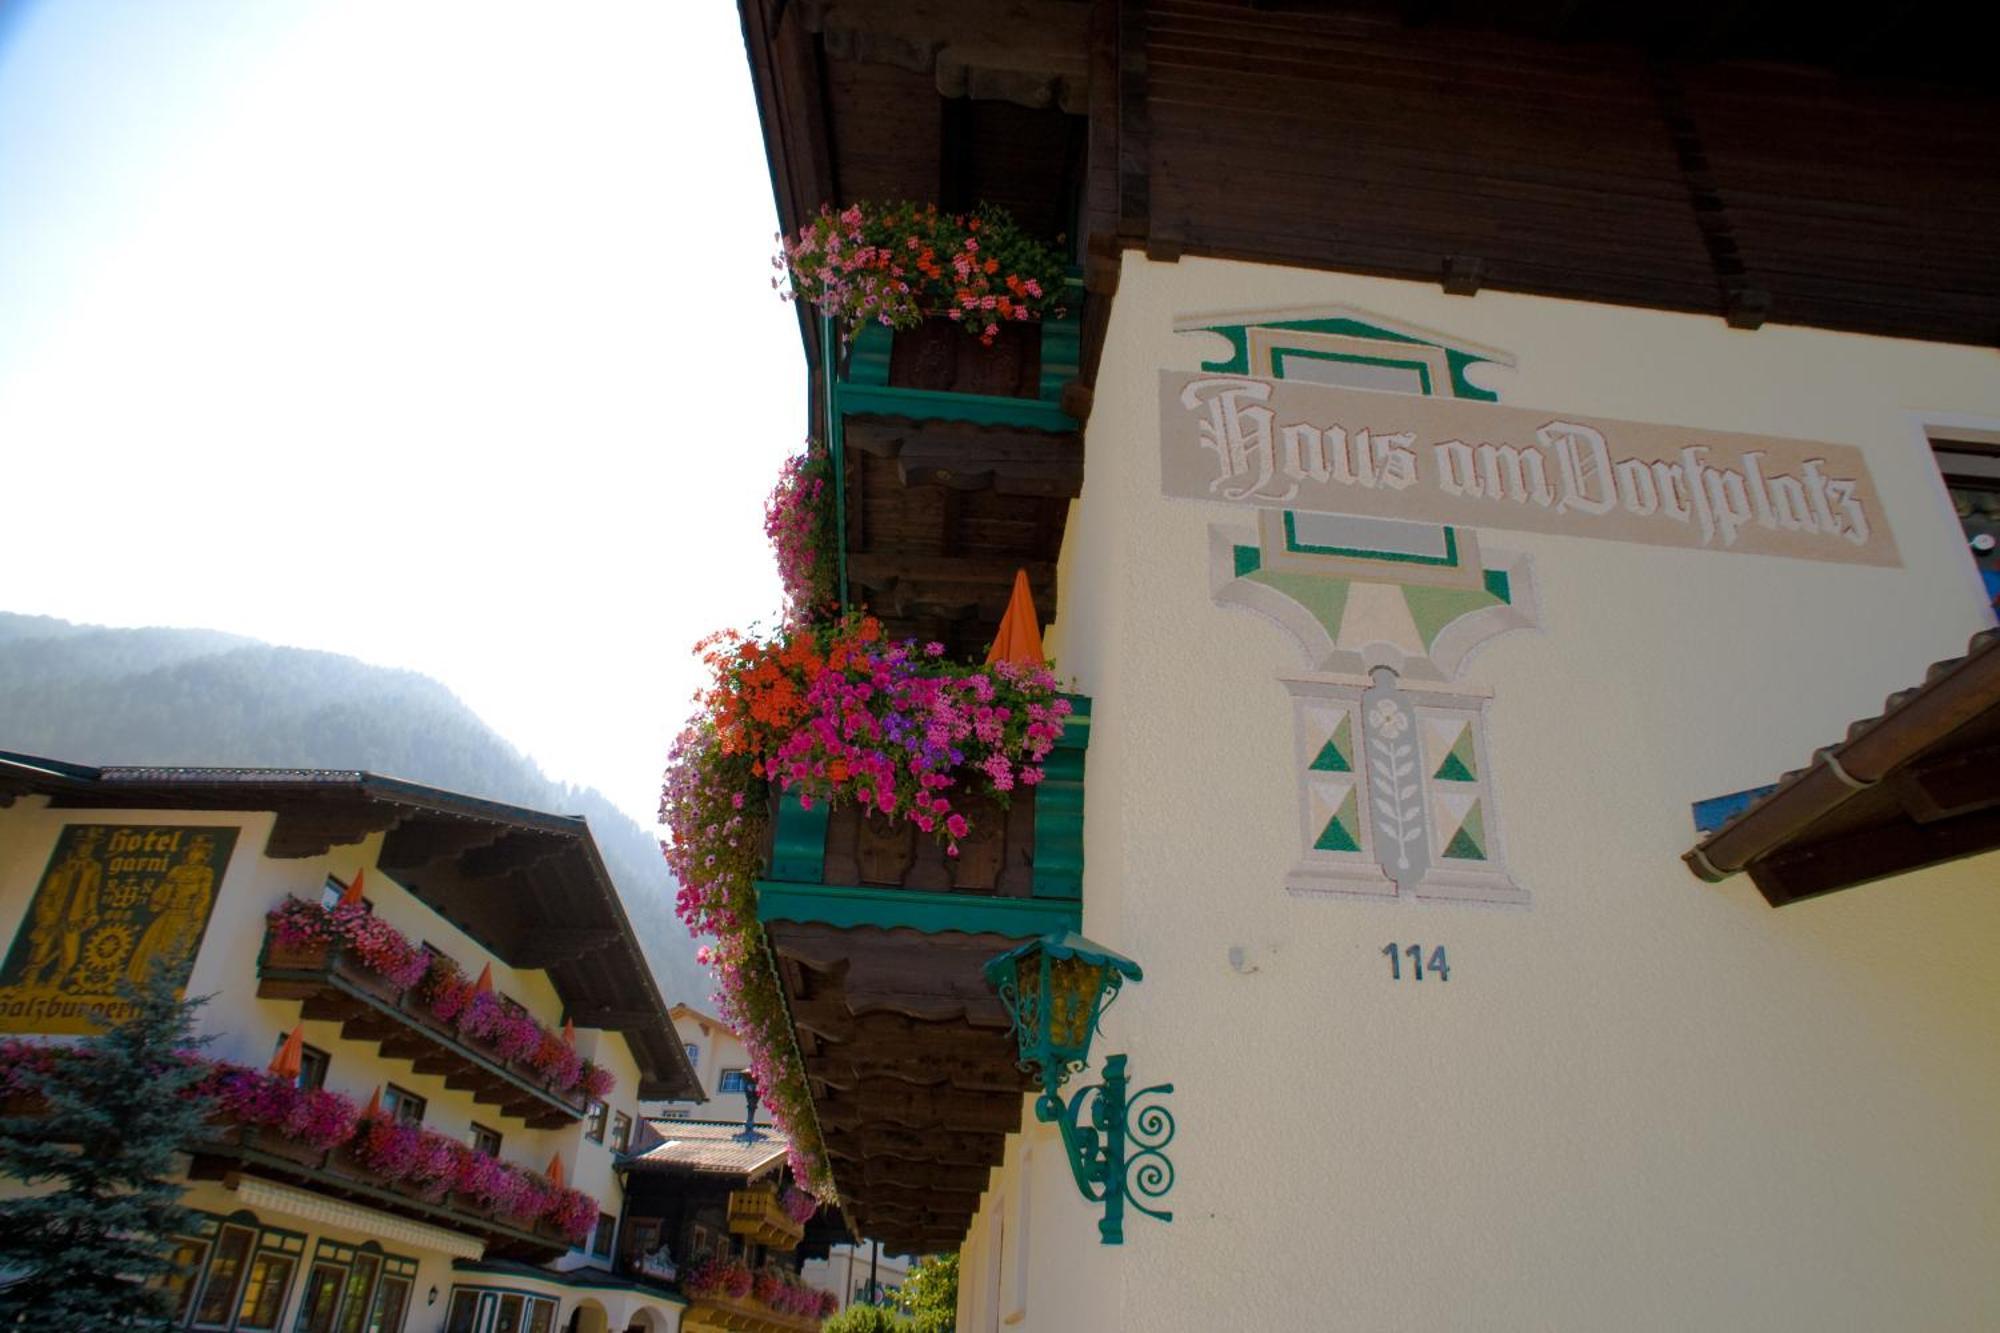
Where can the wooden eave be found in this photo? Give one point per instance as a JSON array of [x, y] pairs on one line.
[[911, 1063], [1915, 786], [528, 886]]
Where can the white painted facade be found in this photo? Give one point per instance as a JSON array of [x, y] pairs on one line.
[[715, 1054], [1640, 1101]]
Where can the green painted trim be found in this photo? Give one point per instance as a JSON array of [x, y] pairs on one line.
[[1248, 559], [1500, 585], [1449, 559], [1238, 362], [846, 906], [868, 355], [1062, 356], [798, 840], [1278, 355], [1059, 810], [979, 409]]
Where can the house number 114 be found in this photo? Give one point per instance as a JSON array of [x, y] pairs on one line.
[[1439, 965]]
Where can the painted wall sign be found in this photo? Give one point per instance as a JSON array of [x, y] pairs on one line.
[[115, 900], [1314, 448]]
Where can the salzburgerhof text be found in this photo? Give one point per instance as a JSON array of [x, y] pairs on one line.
[[1280, 445]]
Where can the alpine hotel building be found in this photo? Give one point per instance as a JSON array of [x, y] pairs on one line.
[[104, 871]]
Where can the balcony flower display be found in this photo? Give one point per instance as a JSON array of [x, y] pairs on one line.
[[799, 520], [323, 1120], [382, 948], [312, 1116], [441, 985], [719, 1277], [833, 713], [798, 1205], [900, 263]]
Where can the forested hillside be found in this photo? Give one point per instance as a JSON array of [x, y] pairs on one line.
[[174, 696]]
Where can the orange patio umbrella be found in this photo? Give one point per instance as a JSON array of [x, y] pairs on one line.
[[1020, 637], [555, 1171], [291, 1056], [485, 982], [352, 896], [569, 1032], [374, 1111]]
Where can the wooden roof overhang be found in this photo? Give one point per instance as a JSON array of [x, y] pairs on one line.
[[526, 885], [1915, 786]]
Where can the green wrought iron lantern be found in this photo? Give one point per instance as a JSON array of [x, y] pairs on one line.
[[1056, 990]]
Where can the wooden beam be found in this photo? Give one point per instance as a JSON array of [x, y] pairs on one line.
[[1871, 853], [1135, 206], [546, 946], [888, 1102], [872, 1142]]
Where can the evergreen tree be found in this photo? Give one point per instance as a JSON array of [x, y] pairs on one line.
[[118, 1107]]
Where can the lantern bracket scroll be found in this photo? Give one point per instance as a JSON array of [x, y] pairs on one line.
[[1056, 990]]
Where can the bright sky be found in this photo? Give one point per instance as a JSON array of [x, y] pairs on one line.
[[438, 334]]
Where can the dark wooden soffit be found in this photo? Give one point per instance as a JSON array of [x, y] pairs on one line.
[[911, 1061], [527, 885], [1915, 786]]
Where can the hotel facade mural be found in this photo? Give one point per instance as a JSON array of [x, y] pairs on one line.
[[116, 901]]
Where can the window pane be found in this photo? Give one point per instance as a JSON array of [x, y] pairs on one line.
[[733, 1080], [464, 1309], [264, 1293], [595, 1130], [600, 1241], [541, 1316], [322, 1298], [360, 1287], [390, 1304], [187, 1259], [621, 1132], [510, 1315], [225, 1271]]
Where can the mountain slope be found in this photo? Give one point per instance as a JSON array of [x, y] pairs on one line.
[[175, 696]]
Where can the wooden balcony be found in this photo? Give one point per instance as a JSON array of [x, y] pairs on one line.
[[758, 1216], [332, 986], [226, 1152], [879, 940], [730, 1314]]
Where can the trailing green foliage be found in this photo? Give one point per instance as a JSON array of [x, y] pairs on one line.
[[107, 1128]]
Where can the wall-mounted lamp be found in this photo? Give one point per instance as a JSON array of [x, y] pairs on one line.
[[432, 1299], [1056, 989]]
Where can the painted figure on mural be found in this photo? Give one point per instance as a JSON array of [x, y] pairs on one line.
[[65, 910], [180, 911]]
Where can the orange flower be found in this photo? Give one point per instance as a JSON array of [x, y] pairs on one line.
[[837, 770]]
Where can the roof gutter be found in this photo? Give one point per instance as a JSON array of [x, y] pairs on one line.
[[1953, 694]]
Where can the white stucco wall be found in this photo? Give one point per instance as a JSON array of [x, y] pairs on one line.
[[1641, 1102]]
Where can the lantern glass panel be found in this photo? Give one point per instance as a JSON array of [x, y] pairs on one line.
[[1074, 987]]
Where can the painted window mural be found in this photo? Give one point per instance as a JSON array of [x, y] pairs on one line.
[[115, 901], [1395, 786]]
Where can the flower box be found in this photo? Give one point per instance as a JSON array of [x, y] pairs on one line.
[[721, 1313], [937, 355], [270, 1141]]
